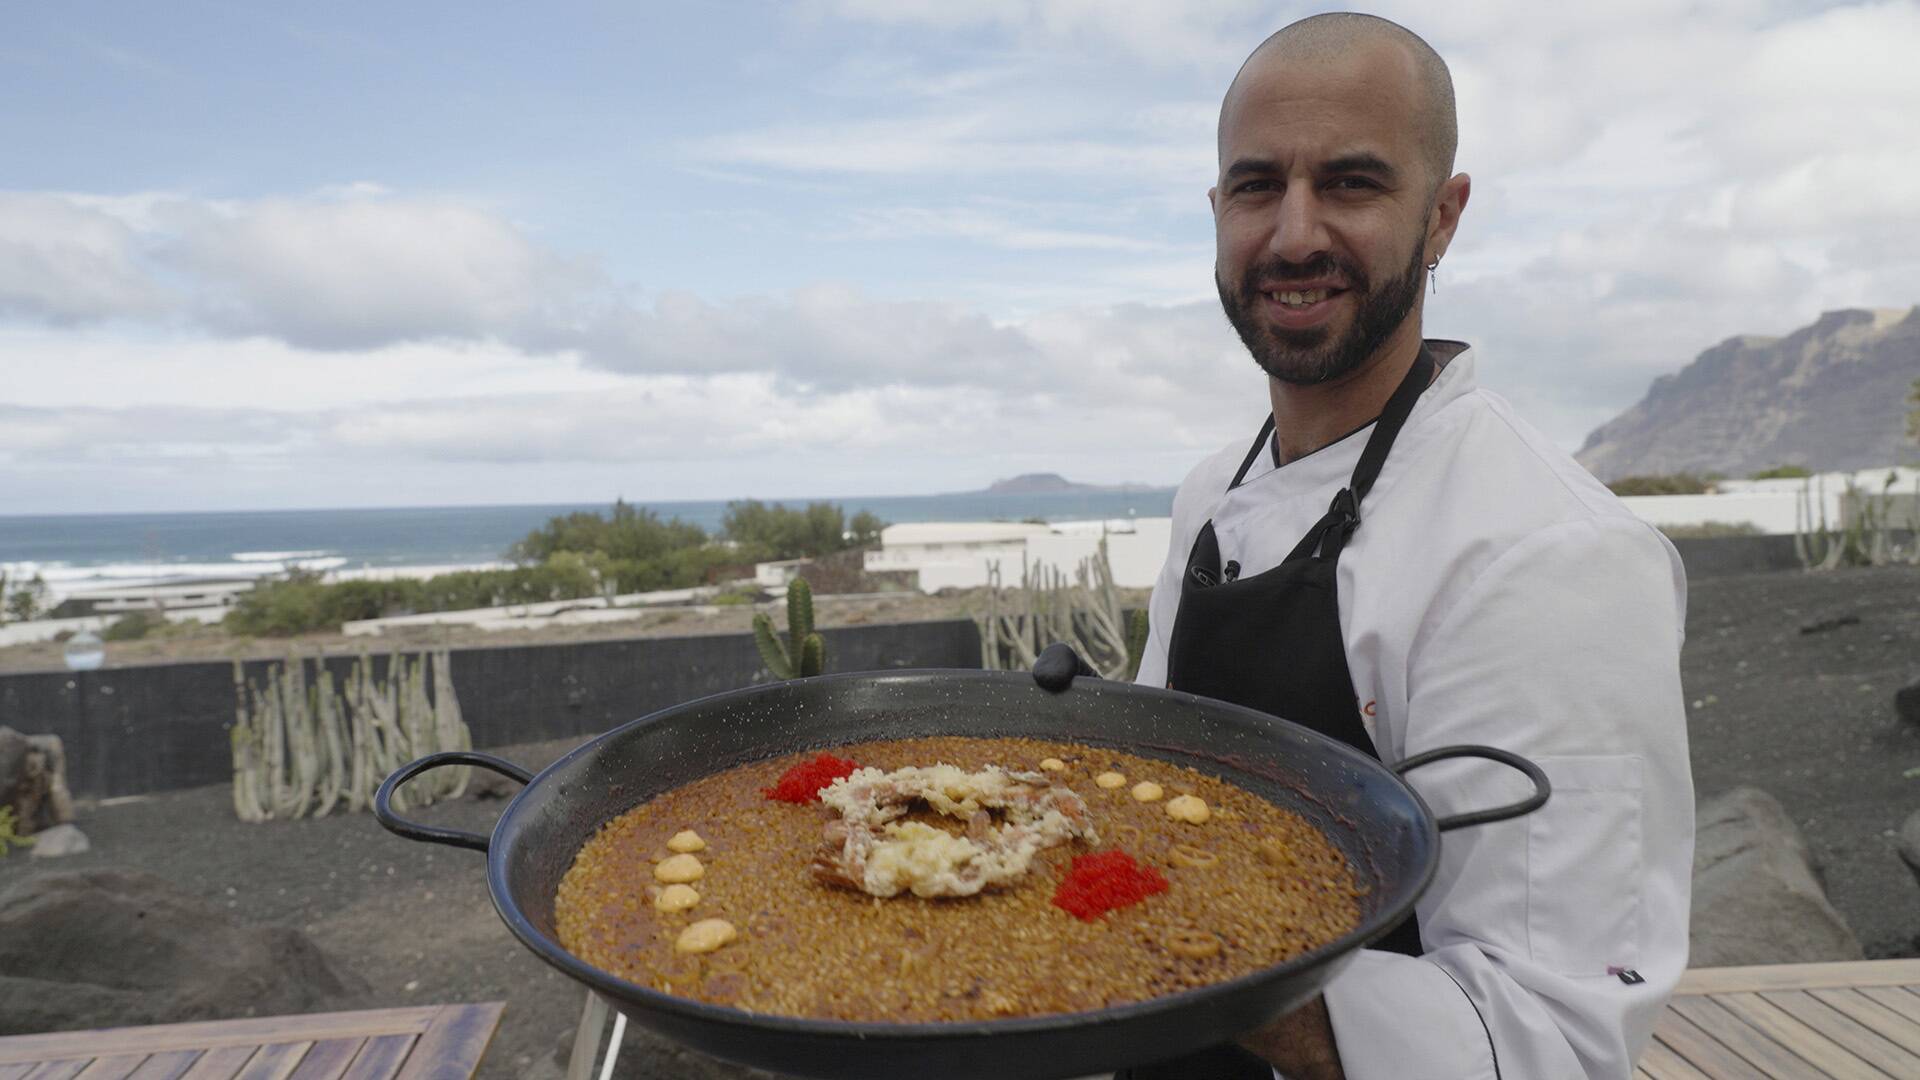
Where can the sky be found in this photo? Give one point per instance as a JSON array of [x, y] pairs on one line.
[[273, 256]]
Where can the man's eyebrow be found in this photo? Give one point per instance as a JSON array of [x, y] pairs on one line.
[[1371, 164], [1250, 167], [1361, 162]]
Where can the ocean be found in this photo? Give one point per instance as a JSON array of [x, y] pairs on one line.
[[73, 551]]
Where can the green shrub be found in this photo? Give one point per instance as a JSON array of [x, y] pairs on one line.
[[1675, 484], [571, 557], [24, 600], [1708, 530], [133, 626], [865, 528], [779, 532], [627, 534], [9, 838], [1783, 472]]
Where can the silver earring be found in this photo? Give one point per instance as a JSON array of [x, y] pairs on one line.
[[1433, 275]]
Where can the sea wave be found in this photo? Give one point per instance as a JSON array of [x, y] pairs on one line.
[[65, 580], [281, 556]]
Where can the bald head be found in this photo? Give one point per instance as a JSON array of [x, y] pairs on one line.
[[1337, 36]]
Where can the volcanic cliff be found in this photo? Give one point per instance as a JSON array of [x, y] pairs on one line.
[[1831, 396]]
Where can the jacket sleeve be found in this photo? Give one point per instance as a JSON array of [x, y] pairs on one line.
[[1565, 649]]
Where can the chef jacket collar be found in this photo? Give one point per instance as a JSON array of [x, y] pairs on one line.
[[1334, 462]]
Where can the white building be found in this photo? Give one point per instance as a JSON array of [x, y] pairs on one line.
[[951, 553], [961, 554], [120, 599], [1782, 507]]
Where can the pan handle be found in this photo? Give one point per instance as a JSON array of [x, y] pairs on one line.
[[1541, 789], [399, 826]]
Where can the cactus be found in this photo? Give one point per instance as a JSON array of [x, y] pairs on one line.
[[1047, 607], [1864, 535], [804, 653], [300, 748], [1136, 641]]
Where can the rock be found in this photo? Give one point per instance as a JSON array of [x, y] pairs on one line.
[[1821, 626], [1906, 702], [1755, 897], [33, 780], [487, 784], [1908, 843], [107, 948], [59, 840]]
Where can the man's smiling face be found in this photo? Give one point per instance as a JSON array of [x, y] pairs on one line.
[[1321, 212]]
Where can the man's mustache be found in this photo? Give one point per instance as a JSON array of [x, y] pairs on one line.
[[1321, 267]]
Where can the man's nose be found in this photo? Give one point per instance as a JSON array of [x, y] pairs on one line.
[[1299, 228]]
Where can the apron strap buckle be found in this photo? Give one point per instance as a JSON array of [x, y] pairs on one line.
[[1345, 510]]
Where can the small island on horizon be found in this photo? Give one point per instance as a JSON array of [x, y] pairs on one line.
[[1055, 484]]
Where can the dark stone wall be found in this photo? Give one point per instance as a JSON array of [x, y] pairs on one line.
[[1721, 555], [139, 729]]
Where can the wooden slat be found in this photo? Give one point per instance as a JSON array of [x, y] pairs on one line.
[[1659, 1062], [220, 1063], [1801, 976], [1756, 1043], [166, 1065], [117, 1067], [1899, 999], [586, 1037], [1890, 1025], [59, 1070], [208, 1035], [381, 1058], [275, 1061], [1699, 1049], [17, 1070], [450, 1048], [327, 1060], [1846, 1032]]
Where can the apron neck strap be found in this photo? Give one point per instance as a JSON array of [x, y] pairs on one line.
[[1387, 428], [1329, 535], [1253, 452], [1392, 419]]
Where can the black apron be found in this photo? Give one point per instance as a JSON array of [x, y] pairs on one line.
[[1272, 642]]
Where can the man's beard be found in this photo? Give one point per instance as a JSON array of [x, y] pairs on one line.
[[1308, 357]]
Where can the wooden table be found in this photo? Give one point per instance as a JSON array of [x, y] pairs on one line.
[[1859, 1021], [427, 1042]]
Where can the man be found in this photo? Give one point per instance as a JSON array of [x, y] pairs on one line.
[[1400, 563]]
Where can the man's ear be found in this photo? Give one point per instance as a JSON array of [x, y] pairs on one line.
[[1448, 203]]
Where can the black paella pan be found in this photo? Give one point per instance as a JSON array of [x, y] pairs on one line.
[[1381, 825]]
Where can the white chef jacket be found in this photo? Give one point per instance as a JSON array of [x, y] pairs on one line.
[[1494, 593]]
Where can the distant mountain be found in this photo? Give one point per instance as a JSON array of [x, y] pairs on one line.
[[1831, 396], [1055, 484]]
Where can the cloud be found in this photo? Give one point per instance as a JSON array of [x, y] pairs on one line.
[[1112, 394], [1651, 177], [346, 269], [86, 434], [65, 262], [968, 142], [1162, 34], [368, 272], [362, 272], [968, 223]]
